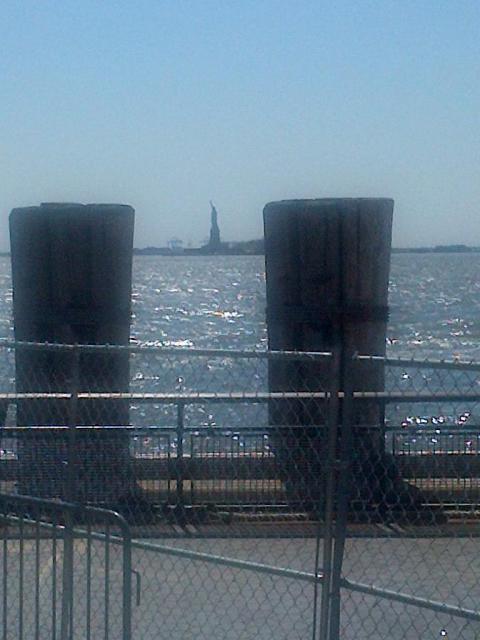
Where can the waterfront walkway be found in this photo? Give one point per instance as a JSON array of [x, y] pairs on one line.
[[185, 599]]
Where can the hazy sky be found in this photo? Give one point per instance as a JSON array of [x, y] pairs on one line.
[[168, 104]]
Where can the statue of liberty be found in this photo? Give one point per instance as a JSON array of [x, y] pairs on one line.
[[214, 242]]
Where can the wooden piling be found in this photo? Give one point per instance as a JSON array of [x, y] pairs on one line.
[[327, 271], [71, 272]]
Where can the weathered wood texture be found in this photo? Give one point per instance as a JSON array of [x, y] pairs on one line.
[[327, 270], [71, 271], [328, 265]]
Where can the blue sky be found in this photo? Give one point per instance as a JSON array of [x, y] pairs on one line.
[[168, 104]]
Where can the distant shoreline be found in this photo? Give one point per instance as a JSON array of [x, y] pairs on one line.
[[253, 248], [447, 248]]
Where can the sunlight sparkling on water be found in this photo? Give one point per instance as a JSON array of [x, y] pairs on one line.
[[219, 302]]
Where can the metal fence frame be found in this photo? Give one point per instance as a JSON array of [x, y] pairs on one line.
[[37, 519]]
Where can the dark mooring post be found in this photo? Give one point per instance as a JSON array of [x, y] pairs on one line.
[[71, 270], [327, 268]]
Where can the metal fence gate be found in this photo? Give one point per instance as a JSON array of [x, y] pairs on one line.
[[65, 571]]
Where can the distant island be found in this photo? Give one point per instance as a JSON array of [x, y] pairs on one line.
[[257, 248], [245, 248], [214, 246], [441, 248]]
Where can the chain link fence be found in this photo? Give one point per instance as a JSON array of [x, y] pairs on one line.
[[408, 552], [265, 498]]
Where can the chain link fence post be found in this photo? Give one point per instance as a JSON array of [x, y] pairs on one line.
[[179, 468], [342, 497], [72, 471], [330, 480], [72, 480]]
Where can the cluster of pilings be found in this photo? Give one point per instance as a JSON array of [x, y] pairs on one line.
[[327, 268]]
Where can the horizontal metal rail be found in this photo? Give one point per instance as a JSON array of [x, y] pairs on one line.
[[61, 506], [233, 563], [174, 351], [243, 396], [161, 429], [172, 398], [416, 601], [35, 395], [201, 397], [239, 354], [420, 364], [226, 430], [416, 396], [430, 429]]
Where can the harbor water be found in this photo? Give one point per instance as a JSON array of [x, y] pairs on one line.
[[218, 302]]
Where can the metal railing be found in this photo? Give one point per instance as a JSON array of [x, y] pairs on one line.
[[60, 580], [215, 461]]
